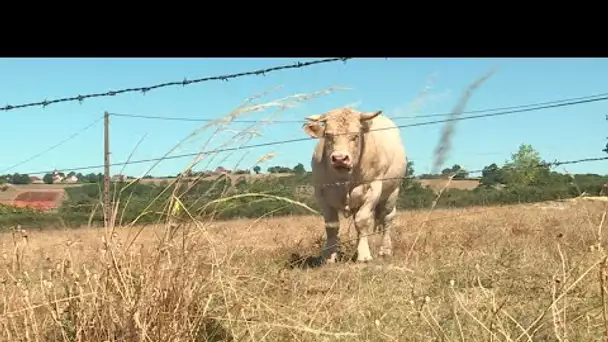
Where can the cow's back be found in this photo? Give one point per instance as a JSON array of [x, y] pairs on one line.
[[383, 151]]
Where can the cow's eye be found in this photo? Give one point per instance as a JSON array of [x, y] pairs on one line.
[[354, 137]]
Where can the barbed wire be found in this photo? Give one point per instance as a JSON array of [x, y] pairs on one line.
[[463, 171], [165, 118], [289, 141], [542, 105], [184, 82]]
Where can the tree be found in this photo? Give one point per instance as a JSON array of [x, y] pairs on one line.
[[299, 169], [525, 168], [606, 146], [93, 178], [48, 178], [18, 178], [408, 179], [257, 169], [492, 175], [279, 169], [409, 170], [456, 169]]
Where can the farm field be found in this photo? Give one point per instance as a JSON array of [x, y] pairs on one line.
[[527, 272]]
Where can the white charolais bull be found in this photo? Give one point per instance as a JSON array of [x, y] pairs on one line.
[[357, 167]]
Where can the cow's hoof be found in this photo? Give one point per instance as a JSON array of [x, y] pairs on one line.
[[364, 259], [331, 259], [385, 252]]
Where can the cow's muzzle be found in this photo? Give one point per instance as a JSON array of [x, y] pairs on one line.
[[341, 161]]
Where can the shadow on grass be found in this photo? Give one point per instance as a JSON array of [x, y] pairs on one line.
[[298, 261]]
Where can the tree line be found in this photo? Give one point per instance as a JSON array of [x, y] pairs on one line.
[[524, 178], [22, 178]]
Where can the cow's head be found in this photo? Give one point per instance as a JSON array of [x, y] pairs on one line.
[[341, 130]]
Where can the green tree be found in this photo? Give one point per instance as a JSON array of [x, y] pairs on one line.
[[525, 168], [257, 169], [299, 169], [455, 169], [48, 178], [409, 170], [606, 146], [279, 169], [19, 178], [409, 175], [492, 175]]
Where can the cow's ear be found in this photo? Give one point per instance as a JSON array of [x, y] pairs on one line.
[[313, 129]]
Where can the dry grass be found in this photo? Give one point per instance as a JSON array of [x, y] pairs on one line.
[[480, 273]]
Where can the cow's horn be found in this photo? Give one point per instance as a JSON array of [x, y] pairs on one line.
[[318, 118], [369, 115]]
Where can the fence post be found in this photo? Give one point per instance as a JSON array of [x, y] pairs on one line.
[[107, 209]]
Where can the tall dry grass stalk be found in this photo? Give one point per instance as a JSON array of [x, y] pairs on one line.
[[444, 145]]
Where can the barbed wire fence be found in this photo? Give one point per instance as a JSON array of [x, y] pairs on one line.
[[146, 89], [478, 114], [495, 113]]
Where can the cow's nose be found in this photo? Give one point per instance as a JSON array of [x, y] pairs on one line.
[[339, 157]]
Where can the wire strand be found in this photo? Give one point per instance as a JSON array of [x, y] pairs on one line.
[[281, 142], [443, 177], [74, 135], [486, 110], [184, 82]]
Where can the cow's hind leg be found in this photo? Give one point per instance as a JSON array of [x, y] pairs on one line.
[[385, 213]]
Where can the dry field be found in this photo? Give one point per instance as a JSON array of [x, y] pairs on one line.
[[518, 273]]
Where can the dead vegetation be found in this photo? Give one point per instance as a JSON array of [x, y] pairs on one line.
[[503, 272]]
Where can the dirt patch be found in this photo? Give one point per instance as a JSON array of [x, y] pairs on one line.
[[44, 200], [438, 184]]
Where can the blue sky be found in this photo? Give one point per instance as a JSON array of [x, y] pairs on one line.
[[391, 85]]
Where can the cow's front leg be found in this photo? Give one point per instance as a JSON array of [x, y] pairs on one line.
[[365, 221], [386, 216], [332, 229]]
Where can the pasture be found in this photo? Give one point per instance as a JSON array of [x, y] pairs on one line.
[[513, 273]]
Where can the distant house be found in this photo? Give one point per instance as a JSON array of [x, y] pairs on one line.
[[71, 180], [36, 180], [57, 177], [119, 178]]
